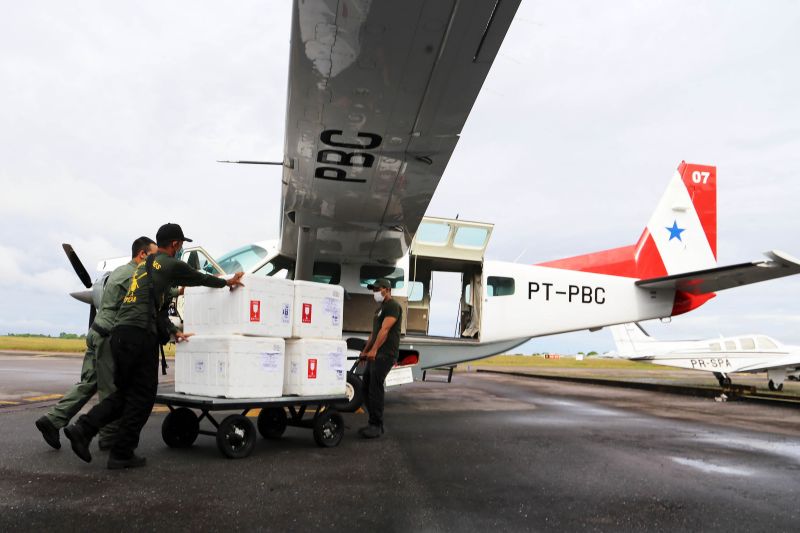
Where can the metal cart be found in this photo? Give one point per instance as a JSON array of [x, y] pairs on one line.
[[235, 434]]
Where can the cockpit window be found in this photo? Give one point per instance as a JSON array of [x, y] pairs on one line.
[[748, 343], [730, 346], [198, 260], [242, 259], [765, 343]]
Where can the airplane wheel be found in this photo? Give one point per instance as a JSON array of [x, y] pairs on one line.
[[236, 437], [180, 428], [773, 387], [355, 395], [272, 422], [724, 382], [328, 429]]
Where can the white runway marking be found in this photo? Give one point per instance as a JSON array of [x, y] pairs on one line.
[[710, 468]]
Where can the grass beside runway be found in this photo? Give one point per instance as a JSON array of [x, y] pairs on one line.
[[43, 344], [563, 362], [53, 345]]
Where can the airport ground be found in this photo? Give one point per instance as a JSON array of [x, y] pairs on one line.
[[486, 451]]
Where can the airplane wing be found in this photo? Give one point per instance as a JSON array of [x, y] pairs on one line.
[[378, 95], [789, 361], [717, 279]]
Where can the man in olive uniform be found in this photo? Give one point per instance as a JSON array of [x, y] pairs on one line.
[[135, 347], [97, 374], [381, 352]]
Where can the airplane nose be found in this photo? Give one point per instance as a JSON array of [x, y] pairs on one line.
[[82, 296]]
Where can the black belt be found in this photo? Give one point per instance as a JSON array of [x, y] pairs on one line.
[[101, 330]]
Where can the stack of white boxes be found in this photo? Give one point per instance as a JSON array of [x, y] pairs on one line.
[[239, 351], [316, 355]]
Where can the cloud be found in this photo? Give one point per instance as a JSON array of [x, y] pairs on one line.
[[113, 117], [14, 274]]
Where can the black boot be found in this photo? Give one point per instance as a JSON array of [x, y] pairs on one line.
[[372, 431], [80, 441], [49, 432], [133, 461]]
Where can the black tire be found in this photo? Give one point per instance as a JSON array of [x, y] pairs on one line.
[[328, 429], [236, 437], [773, 387], [272, 422], [180, 428], [355, 395]]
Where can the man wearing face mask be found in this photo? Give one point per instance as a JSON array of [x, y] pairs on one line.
[[134, 346], [381, 353]]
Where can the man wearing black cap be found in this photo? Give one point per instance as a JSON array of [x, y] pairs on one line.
[[134, 346], [381, 353]]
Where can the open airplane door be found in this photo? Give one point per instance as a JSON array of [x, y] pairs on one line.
[[454, 246]]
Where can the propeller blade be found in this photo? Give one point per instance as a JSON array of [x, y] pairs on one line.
[[84, 276]]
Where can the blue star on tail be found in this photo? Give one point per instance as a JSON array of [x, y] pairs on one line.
[[675, 231]]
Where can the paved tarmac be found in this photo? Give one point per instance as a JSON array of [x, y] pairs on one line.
[[485, 452]]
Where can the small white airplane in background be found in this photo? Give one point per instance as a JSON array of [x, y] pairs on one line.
[[721, 356]]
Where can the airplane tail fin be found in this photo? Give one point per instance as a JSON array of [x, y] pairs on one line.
[[630, 339], [681, 235]]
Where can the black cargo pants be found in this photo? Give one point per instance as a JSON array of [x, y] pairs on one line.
[[135, 354], [373, 379]]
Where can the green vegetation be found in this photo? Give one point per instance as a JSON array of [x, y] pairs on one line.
[[42, 343], [563, 362]]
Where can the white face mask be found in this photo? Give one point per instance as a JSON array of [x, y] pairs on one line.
[[378, 296]]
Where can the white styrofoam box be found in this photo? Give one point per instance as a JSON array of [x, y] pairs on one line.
[[315, 367], [231, 366], [317, 310], [262, 307], [399, 375]]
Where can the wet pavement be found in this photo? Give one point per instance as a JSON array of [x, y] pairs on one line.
[[487, 451]]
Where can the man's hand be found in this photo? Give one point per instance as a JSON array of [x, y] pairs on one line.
[[182, 337], [235, 281], [370, 355]]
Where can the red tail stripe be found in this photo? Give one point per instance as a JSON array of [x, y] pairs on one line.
[[702, 188], [640, 260]]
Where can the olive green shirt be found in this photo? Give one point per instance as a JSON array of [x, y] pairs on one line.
[[167, 272], [391, 345], [116, 287]]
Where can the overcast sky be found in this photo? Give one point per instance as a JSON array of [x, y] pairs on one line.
[[112, 115]]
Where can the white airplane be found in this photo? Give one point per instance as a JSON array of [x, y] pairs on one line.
[[721, 356], [378, 95]]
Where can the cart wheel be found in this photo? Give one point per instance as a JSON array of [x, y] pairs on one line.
[[236, 436], [328, 429], [272, 422], [355, 395], [180, 428]]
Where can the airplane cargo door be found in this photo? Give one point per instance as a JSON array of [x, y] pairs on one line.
[[445, 307]]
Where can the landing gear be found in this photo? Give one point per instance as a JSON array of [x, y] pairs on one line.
[[355, 395], [723, 379], [774, 387]]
